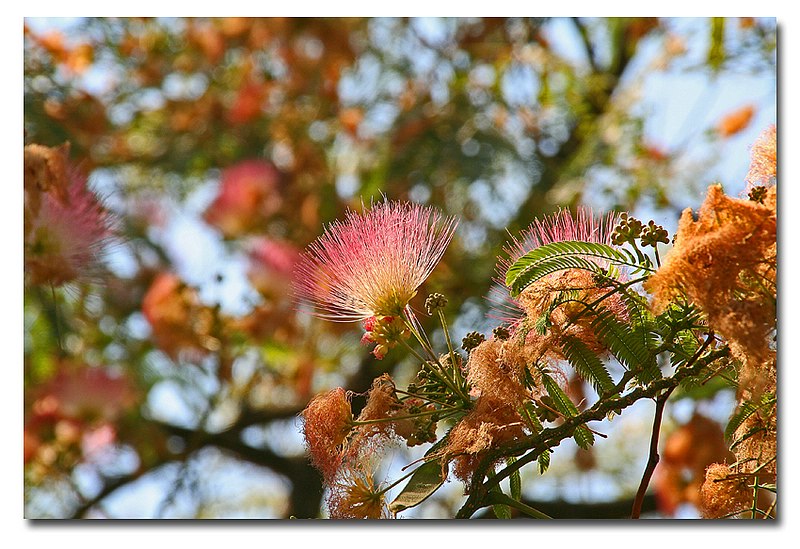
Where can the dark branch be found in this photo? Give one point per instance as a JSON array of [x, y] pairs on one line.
[[560, 509]]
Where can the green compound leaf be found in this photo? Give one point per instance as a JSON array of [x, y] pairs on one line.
[[544, 461], [514, 481], [587, 364], [627, 346], [425, 481], [642, 321], [747, 409], [583, 436], [558, 256]]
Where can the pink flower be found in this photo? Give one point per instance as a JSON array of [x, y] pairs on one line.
[[85, 394], [271, 265], [560, 227], [65, 236], [372, 264], [248, 195]]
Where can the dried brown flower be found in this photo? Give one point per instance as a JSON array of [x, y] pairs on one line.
[[725, 262], [763, 159], [489, 425], [328, 420], [724, 493], [354, 494]]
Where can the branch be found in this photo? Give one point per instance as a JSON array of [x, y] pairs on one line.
[[652, 461], [587, 43], [551, 437], [112, 485], [603, 510]]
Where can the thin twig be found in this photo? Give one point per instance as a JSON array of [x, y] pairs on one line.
[[653, 460]]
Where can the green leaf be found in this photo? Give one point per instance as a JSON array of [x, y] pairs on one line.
[[497, 497], [583, 436], [514, 481], [501, 511], [642, 321], [745, 410], [544, 461], [626, 346], [587, 364], [529, 411], [556, 256], [425, 481]]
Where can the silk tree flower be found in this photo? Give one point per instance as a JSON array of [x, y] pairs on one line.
[[570, 319], [763, 160], [327, 421], [560, 227], [66, 234], [371, 264]]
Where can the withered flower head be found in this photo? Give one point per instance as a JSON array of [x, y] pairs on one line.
[[355, 494], [488, 425], [327, 420]]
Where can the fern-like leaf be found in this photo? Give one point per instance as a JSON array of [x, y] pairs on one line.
[[544, 461], [745, 410], [583, 436], [642, 321], [587, 364], [570, 254], [626, 346]]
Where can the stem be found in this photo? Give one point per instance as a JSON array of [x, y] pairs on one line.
[[396, 482], [754, 509], [438, 372], [422, 341], [449, 347], [424, 397], [413, 352], [499, 498], [652, 461], [56, 321], [590, 307], [450, 412]]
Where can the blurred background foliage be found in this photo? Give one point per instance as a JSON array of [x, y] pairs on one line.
[[169, 384]]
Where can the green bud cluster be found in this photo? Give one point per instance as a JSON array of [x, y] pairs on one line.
[[758, 194], [434, 302], [472, 340], [653, 234], [501, 332], [627, 230]]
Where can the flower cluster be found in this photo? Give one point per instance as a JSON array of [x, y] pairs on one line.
[[67, 228], [579, 301], [371, 265]]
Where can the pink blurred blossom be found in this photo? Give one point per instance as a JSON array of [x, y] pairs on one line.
[[271, 265], [64, 239], [84, 393], [248, 195]]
